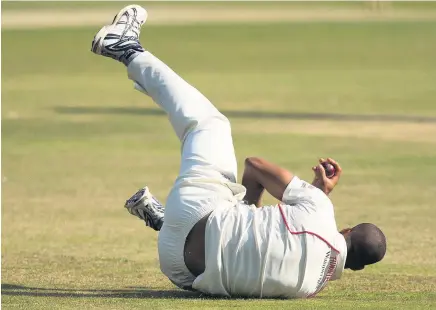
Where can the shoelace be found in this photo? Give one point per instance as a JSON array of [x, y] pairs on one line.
[[132, 24]]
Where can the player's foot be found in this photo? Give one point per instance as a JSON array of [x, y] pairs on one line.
[[147, 208], [120, 40]]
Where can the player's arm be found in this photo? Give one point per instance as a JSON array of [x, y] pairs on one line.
[[260, 175]]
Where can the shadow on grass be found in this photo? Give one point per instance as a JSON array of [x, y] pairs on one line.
[[129, 292], [255, 114]]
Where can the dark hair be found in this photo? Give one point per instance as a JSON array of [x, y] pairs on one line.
[[366, 245]]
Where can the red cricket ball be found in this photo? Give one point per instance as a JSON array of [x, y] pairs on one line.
[[329, 170]]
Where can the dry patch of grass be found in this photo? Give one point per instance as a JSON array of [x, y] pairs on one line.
[[167, 15]]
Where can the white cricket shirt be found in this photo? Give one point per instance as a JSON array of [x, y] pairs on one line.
[[290, 250]]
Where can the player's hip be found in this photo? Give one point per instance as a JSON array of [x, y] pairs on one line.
[[189, 201]]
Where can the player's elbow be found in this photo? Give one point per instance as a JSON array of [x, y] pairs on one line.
[[253, 162]]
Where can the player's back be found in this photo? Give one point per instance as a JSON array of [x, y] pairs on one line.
[[279, 251]]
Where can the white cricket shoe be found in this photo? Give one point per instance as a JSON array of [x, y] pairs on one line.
[[120, 40], [145, 206]]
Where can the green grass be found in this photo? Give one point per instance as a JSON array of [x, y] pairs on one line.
[[77, 141]]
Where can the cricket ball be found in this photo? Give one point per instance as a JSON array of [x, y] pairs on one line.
[[329, 170]]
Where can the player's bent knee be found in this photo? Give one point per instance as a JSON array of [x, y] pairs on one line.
[[216, 122]]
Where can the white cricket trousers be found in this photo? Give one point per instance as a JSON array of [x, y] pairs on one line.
[[208, 170]]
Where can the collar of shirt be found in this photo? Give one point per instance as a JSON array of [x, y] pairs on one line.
[[341, 246]]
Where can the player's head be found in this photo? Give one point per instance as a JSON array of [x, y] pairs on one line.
[[366, 245]]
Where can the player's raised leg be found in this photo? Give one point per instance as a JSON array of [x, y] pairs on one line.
[[204, 132], [187, 108]]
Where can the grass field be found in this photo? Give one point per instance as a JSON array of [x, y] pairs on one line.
[[77, 141]]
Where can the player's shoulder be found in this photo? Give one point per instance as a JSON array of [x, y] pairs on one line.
[[299, 188], [298, 185], [308, 197]]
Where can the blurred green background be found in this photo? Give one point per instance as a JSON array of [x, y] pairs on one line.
[[354, 81]]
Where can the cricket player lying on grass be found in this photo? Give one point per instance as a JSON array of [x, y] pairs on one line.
[[214, 234]]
